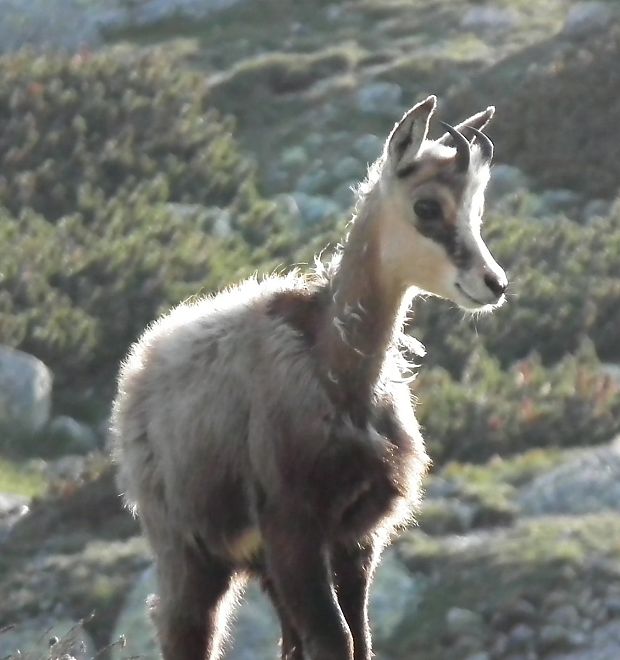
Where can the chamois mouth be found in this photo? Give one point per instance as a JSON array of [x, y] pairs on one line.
[[477, 303]]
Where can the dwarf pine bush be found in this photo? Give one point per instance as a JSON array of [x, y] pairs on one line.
[[121, 192]]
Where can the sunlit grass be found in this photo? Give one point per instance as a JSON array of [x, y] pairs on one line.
[[17, 479]]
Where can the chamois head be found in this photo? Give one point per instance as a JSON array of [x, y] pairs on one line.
[[431, 196]]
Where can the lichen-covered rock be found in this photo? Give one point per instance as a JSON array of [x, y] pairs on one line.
[[506, 180], [344, 194], [559, 201], [12, 508], [25, 392], [314, 208], [314, 181], [588, 483], [133, 622], [612, 369], [460, 620], [69, 582], [368, 147], [294, 157], [379, 98], [349, 168], [395, 595], [555, 637], [521, 637], [489, 19], [595, 209], [584, 18], [603, 644], [65, 435]]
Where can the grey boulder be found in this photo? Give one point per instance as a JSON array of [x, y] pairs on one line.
[[25, 392]]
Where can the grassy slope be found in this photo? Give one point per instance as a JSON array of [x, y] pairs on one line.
[[545, 562]]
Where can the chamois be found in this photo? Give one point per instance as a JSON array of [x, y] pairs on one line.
[[268, 431]]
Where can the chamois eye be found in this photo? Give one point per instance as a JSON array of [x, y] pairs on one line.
[[427, 209]]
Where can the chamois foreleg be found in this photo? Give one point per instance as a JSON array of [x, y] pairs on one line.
[[298, 564], [354, 567]]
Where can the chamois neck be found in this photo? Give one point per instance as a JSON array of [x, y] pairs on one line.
[[365, 310]]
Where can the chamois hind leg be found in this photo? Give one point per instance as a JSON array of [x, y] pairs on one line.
[[297, 562], [354, 568], [191, 613], [291, 648]]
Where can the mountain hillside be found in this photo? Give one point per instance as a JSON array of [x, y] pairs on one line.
[[154, 150]]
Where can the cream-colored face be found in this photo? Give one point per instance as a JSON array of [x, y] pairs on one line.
[[431, 220]]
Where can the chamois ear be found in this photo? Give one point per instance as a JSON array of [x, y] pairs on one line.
[[477, 121], [406, 138]]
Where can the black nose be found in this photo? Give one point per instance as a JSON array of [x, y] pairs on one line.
[[497, 286]]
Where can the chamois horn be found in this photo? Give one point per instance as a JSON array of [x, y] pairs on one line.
[[462, 147], [486, 146]]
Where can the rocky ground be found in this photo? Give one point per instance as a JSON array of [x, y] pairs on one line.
[[514, 559]]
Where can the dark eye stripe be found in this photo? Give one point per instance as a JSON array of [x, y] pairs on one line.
[[446, 235]]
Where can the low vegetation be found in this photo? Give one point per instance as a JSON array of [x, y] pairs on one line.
[[534, 88], [19, 479], [121, 194], [505, 578]]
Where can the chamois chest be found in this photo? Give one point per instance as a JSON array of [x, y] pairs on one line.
[[370, 457]]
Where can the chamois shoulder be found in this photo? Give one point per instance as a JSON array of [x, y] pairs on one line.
[[262, 319]]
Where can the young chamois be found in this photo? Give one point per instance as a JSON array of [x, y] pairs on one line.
[[269, 431]]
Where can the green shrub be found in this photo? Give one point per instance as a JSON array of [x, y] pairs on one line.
[[464, 496], [122, 195], [493, 411], [557, 110], [76, 131]]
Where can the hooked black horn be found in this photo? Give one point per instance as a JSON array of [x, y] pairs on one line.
[[486, 146], [462, 147]]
